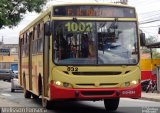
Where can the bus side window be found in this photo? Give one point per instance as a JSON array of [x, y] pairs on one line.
[[22, 47], [34, 41], [38, 30], [40, 38]]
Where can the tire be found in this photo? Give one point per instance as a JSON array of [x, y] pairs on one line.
[[46, 103], [147, 89], [12, 90], [40, 85], [111, 104], [35, 96], [154, 89], [27, 94]]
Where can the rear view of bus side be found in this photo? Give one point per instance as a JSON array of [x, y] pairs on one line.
[[82, 52]]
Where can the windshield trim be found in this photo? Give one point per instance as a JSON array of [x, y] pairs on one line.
[[137, 36]]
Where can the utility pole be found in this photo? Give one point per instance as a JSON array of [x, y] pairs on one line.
[[2, 39], [1, 54]]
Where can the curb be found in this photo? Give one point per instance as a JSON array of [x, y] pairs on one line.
[[150, 99]]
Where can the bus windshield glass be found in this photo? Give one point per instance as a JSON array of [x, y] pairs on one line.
[[95, 43]]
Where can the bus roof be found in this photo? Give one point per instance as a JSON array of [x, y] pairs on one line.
[[94, 3], [43, 14]]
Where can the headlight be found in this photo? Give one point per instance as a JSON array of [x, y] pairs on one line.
[[134, 82], [58, 83], [62, 84], [130, 83]]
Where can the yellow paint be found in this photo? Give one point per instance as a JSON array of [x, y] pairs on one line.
[[149, 64], [128, 73], [133, 74], [7, 58]]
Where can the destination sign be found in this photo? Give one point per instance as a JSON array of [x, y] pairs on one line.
[[95, 11]]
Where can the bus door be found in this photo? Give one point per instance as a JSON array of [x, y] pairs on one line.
[[30, 60], [45, 63]]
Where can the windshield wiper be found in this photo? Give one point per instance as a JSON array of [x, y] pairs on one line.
[[113, 24]]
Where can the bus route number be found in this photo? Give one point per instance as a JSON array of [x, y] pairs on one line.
[[72, 68], [82, 27]]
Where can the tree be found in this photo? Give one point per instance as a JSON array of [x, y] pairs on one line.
[[12, 11], [156, 55], [155, 51], [149, 40]]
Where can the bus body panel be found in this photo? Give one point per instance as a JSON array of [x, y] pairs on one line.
[[58, 93], [80, 83], [90, 82], [147, 66]]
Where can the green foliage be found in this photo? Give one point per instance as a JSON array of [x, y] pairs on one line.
[[145, 50], [151, 39], [156, 55], [12, 11]]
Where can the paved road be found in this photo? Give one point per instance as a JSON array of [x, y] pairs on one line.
[[16, 99]]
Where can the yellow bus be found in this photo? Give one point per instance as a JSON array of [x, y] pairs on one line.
[[87, 51]]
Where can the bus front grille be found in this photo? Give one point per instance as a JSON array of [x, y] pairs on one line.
[[96, 93], [94, 85], [96, 73]]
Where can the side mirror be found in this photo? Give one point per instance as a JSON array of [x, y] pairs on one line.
[[159, 30], [142, 39], [47, 28]]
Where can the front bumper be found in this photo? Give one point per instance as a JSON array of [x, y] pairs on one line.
[[59, 93]]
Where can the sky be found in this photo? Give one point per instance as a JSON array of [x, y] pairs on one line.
[[147, 10]]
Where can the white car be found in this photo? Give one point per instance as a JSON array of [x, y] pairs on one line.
[[15, 84]]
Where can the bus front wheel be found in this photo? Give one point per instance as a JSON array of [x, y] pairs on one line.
[[46, 103], [111, 104]]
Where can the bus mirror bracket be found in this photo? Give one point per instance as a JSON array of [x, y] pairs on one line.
[[47, 27], [142, 39]]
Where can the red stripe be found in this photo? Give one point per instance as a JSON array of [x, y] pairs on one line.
[[147, 75], [58, 93]]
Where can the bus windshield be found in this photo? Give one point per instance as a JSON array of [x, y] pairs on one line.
[[95, 43]]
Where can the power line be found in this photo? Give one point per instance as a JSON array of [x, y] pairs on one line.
[[149, 21], [150, 12], [151, 26], [144, 2]]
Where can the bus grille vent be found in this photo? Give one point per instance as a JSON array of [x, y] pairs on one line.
[[93, 85], [108, 84], [85, 84], [96, 73], [95, 93]]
